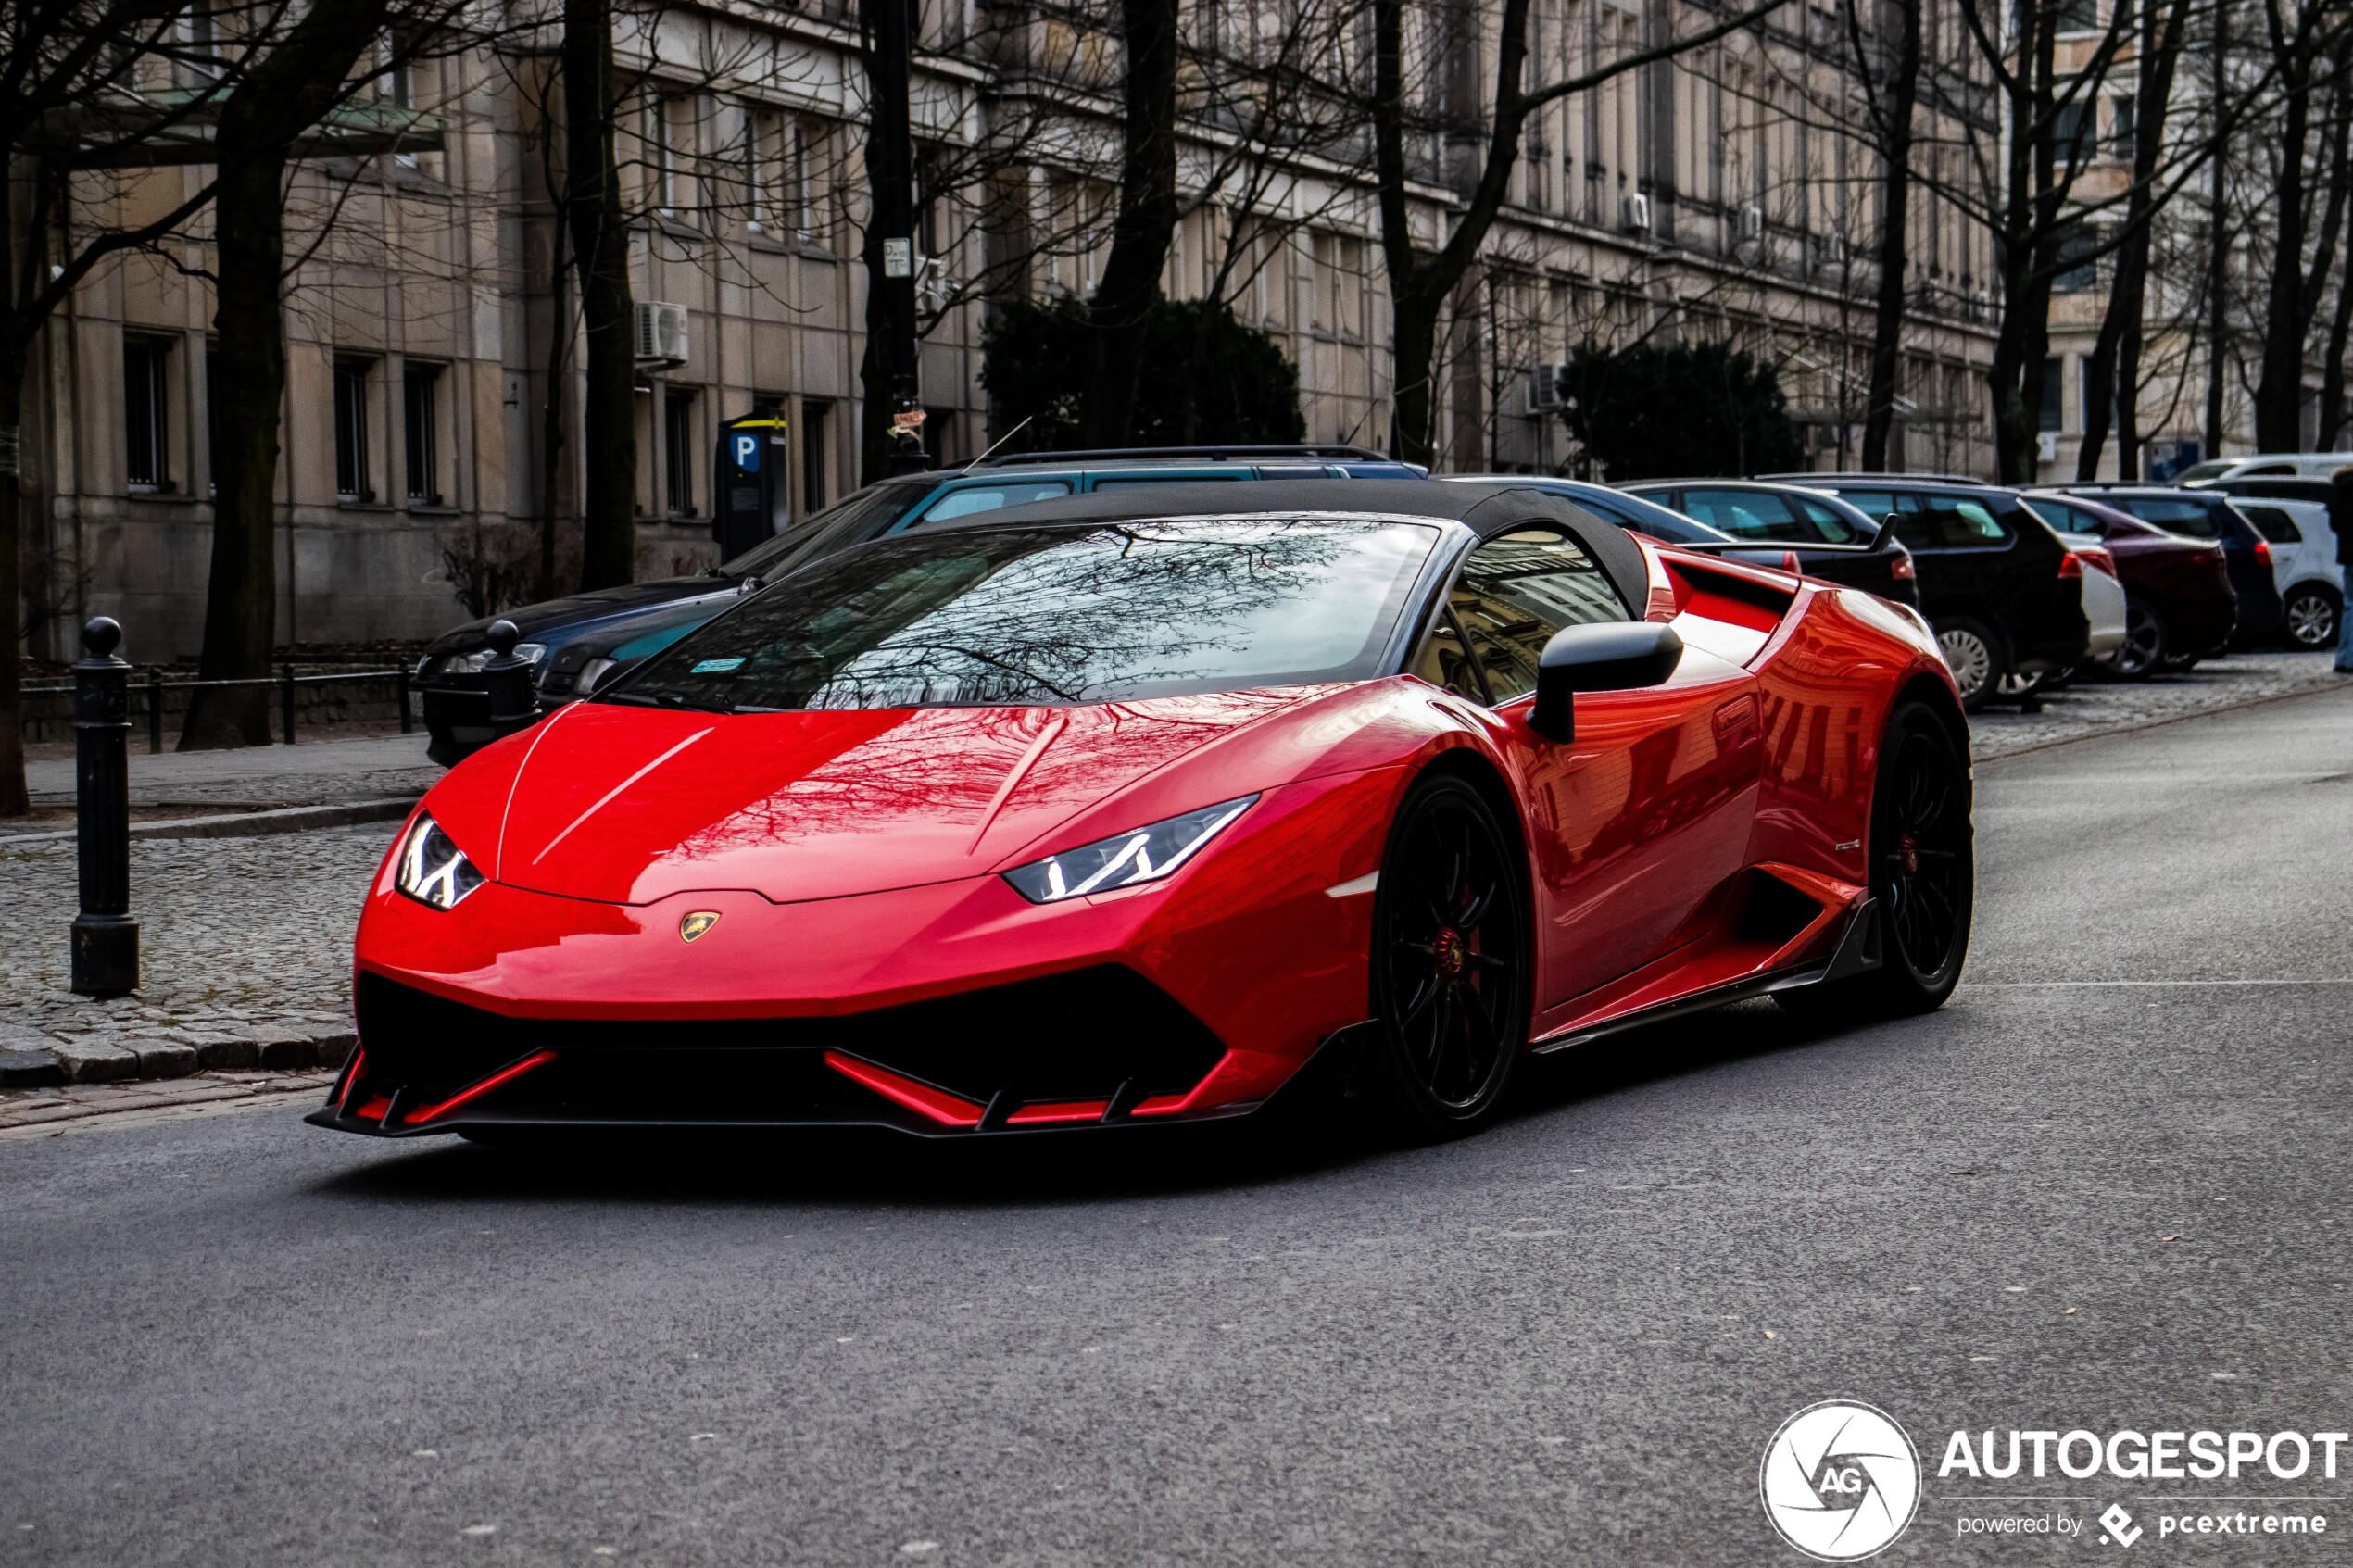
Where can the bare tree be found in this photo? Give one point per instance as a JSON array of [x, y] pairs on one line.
[[2114, 363], [1422, 280], [81, 134], [1146, 219], [2308, 50], [599, 222], [1889, 113]]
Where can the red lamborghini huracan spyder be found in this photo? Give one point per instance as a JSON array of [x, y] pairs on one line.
[[1109, 817]]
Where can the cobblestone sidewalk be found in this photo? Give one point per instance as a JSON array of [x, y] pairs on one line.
[[2090, 708], [244, 951]]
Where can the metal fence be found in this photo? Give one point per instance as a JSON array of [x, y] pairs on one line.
[[285, 680]]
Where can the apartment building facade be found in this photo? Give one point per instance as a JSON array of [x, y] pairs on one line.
[[1721, 195]]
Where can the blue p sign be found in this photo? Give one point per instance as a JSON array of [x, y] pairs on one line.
[[747, 452]]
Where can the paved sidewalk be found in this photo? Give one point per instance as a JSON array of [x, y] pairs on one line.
[[328, 772]]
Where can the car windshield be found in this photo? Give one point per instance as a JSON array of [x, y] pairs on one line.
[[1645, 516], [2211, 469], [864, 515], [1051, 614]]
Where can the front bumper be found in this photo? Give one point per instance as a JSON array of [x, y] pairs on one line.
[[950, 1008]]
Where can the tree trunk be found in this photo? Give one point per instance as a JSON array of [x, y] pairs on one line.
[[241, 602], [2218, 237], [1887, 319], [1146, 221], [551, 407], [1413, 355], [2332, 401], [288, 91], [2114, 364], [600, 252], [14, 801], [2279, 387], [877, 383]]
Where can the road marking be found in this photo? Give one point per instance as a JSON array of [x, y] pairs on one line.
[[2047, 985], [1364, 883]]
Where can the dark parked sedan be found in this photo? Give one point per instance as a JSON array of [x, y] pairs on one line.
[[1831, 539], [2207, 514], [2004, 596], [2180, 606]]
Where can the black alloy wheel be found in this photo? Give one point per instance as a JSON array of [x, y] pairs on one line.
[[2309, 618], [1923, 876], [1450, 960], [2143, 648]]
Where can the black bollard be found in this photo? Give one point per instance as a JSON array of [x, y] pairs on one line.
[[514, 701], [106, 939]]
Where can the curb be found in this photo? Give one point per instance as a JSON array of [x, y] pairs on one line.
[[251, 824], [2135, 726], [30, 1059]]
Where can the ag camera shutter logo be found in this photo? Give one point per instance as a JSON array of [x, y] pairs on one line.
[[1839, 1480]]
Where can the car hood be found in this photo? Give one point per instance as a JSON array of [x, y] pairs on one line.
[[628, 805], [530, 619]]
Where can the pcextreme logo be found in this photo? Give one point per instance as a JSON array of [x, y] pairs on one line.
[[1839, 1480]]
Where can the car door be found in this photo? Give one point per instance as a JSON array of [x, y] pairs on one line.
[[2287, 540], [1637, 821]]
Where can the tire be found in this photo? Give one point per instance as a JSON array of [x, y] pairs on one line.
[[1974, 654], [1451, 962], [2143, 651], [2308, 621], [1923, 877]]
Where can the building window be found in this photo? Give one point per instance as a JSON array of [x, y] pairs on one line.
[[2124, 119], [351, 432], [146, 435], [2079, 268], [674, 154], [419, 409], [813, 421], [678, 452], [2050, 416]]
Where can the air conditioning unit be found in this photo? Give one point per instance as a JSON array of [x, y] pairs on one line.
[[1752, 222], [662, 333], [1634, 214], [1545, 389]]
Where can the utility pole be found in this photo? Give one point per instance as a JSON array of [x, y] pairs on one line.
[[893, 178]]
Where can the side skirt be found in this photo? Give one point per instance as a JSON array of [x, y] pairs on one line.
[[1859, 950]]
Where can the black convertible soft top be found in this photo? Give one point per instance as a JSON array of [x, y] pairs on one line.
[[1486, 509]]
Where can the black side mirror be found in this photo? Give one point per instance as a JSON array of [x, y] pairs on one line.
[[1611, 657]]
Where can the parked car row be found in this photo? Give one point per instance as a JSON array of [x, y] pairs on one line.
[[2021, 588]]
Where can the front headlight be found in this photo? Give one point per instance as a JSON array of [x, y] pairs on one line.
[[1145, 855], [433, 869], [474, 663]]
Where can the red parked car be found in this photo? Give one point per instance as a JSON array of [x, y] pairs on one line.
[[1011, 826], [2179, 603]]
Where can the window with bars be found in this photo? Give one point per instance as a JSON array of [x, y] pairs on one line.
[[146, 409], [420, 423], [351, 432], [814, 419], [678, 453]]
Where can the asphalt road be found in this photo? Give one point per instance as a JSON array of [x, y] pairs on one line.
[[245, 1341]]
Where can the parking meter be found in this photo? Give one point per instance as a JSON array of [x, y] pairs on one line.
[[753, 499]]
